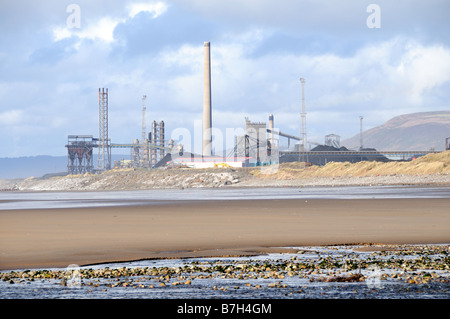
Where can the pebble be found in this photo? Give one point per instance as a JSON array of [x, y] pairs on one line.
[[428, 263]]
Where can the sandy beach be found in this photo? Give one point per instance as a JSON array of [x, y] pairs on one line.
[[82, 236]]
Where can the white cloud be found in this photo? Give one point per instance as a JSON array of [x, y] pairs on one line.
[[186, 55], [423, 68], [156, 9], [60, 33], [12, 117], [103, 28]]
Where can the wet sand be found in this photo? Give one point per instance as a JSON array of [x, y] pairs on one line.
[[60, 237]]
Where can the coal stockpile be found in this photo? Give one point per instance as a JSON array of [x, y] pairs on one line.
[[333, 154]]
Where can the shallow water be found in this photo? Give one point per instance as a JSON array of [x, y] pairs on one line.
[[43, 200], [378, 283]]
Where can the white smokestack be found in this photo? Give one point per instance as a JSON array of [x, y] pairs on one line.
[[207, 119]]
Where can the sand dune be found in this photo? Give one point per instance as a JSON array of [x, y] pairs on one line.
[[435, 163]]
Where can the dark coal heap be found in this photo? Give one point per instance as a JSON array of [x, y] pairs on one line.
[[322, 159], [327, 148]]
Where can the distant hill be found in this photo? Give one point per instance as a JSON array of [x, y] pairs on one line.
[[410, 132], [37, 166]]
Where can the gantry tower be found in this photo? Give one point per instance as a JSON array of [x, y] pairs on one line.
[[144, 140], [104, 149]]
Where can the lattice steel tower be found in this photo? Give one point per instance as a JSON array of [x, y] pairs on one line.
[[144, 141], [302, 144], [104, 150], [361, 133]]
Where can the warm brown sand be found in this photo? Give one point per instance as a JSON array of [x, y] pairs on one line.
[[60, 237]]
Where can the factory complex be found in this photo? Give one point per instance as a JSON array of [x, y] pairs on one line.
[[258, 146]]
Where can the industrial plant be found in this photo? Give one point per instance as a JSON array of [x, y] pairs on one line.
[[258, 146]]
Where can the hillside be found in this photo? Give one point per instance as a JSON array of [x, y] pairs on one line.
[[416, 131], [24, 167]]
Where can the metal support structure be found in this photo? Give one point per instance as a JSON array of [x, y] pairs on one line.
[[360, 133], [154, 137], [80, 147], [104, 150], [161, 140], [392, 154], [157, 142], [136, 147], [246, 149], [144, 141], [256, 135], [80, 154]]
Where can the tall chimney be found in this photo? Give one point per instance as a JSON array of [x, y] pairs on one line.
[[207, 119]]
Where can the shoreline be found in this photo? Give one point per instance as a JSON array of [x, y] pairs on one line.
[[211, 228], [212, 178], [321, 182], [431, 169]]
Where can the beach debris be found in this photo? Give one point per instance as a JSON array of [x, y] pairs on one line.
[[350, 278]]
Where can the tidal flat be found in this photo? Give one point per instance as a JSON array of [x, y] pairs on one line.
[[324, 272]]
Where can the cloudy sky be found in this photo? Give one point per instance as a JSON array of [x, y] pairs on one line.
[[56, 54]]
